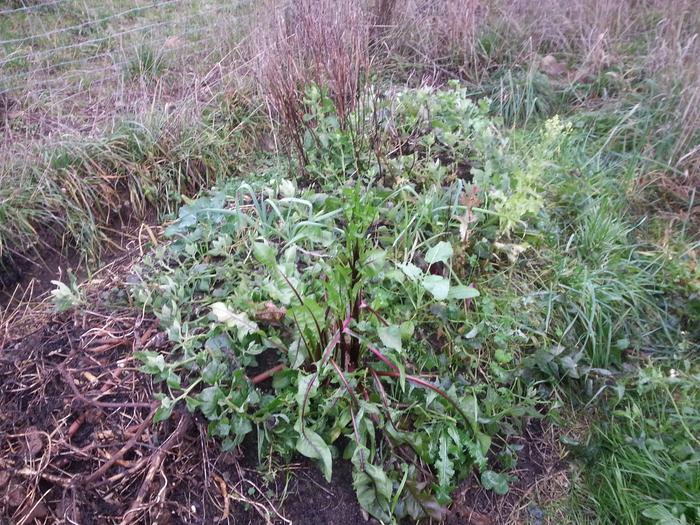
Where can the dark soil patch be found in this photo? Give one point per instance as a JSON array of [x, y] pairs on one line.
[[540, 460], [77, 445], [26, 275]]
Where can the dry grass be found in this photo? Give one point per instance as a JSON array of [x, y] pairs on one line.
[[650, 48], [311, 42]]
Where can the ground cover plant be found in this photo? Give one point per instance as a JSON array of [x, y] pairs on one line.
[[439, 259], [350, 298]]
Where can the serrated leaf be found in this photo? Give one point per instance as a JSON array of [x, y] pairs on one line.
[[311, 445], [391, 337], [462, 292], [495, 481], [240, 321], [438, 286], [441, 252], [444, 465], [172, 380]]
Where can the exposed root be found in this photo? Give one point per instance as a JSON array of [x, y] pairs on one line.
[[156, 463]]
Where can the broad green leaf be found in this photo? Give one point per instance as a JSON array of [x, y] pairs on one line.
[[462, 292], [376, 259], [391, 337], [441, 252], [495, 481], [661, 515], [407, 329], [209, 401], [153, 362], [438, 286], [265, 253], [372, 486], [164, 410], [305, 390], [287, 188], [296, 354], [411, 271], [240, 321], [278, 288], [311, 445], [420, 503]]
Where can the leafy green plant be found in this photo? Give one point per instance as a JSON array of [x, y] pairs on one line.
[[147, 63], [67, 296], [335, 320], [316, 288]]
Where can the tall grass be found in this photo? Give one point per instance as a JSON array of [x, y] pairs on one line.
[[80, 187], [643, 458]]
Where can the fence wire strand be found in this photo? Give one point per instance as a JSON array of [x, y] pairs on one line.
[[71, 66]]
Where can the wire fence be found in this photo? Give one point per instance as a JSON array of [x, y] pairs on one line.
[[64, 62]]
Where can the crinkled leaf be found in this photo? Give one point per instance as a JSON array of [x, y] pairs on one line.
[[495, 481], [240, 321], [287, 188], [209, 401], [411, 271], [372, 486], [420, 503]]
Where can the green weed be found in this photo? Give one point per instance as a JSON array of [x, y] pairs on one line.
[[644, 456], [353, 300]]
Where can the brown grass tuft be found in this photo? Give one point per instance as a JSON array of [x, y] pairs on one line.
[[322, 42]]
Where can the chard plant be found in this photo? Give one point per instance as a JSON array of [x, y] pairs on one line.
[[338, 321]]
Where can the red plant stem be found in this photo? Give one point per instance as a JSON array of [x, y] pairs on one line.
[[420, 382], [334, 342], [267, 374], [371, 310], [382, 395], [345, 381], [374, 350], [352, 412]]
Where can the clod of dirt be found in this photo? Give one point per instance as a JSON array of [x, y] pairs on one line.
[[15, 495], [271, 313]]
